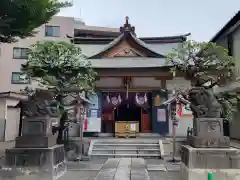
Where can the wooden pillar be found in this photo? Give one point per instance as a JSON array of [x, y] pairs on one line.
[[163, 84]]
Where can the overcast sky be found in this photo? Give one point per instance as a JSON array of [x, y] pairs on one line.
[[202, 18]]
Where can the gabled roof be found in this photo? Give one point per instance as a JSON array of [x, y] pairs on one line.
[[146, 40], [175, 99], [127, 32], [227, 26]]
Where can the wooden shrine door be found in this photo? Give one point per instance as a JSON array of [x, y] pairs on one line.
[[146, 124]]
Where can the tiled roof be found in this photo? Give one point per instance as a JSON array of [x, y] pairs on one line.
[[136, 62], [119, 38]]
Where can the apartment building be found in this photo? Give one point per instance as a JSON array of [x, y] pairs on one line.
[[229, 38], [57, 29]]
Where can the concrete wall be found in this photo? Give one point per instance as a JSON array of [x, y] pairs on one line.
[[181, 129], [12, 123], [9, 119]]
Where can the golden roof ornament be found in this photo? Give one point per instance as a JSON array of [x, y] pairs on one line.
[[127, 27]]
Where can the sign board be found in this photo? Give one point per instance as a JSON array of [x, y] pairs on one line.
[[92, 122], [161, 115], [133, 127]]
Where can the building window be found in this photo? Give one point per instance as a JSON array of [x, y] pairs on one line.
[[20, 78], [52, 31], [20, 53]]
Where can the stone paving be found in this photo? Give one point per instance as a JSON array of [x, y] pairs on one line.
[[157, 169], [115, 169]]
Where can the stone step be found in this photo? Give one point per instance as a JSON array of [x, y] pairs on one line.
[[128, 141], [124, 144], [127, 155], [126, 149], [125, 152]]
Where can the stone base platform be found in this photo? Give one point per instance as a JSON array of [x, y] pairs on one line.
[[44, 162], [209, 141], [202, 174], [36, 141], [197, 162], [210, 158]]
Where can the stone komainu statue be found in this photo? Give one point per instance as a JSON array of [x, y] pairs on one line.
[[204, 103], [40, 104]]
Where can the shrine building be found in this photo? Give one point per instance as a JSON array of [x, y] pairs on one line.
[[133, 80]]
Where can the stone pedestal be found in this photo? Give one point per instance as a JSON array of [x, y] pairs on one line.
[[209, 151], [208, 133], [197, 162], [37, 150], [42, 161]]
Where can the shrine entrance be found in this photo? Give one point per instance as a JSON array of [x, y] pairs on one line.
[[116, 107], [128, 112]]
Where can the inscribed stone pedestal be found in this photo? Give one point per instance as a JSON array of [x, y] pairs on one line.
[[37, 150], [37, 132]]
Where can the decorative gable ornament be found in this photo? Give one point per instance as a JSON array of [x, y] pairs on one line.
[[127, 52], [114, 100], [141, 100], [127, 27]]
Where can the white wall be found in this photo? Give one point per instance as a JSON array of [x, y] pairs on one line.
[[183, 124], [145, 82], [12, 123], [109, 82]]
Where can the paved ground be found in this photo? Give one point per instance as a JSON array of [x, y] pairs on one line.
[[88, 170], [157, 169]]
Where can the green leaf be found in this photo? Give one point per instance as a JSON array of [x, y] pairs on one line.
[[200, 60], [20, 18], [60, 65]]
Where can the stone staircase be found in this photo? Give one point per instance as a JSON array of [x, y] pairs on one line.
[[118, 148]]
